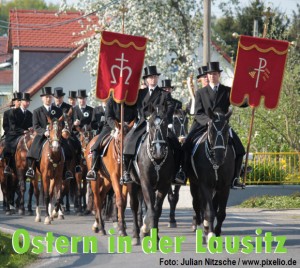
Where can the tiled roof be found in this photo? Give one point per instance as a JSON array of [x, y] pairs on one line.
[[46, 29], [4, 56], [6, 77]]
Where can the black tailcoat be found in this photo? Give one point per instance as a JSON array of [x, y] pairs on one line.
[[145, 105], [40, 123]]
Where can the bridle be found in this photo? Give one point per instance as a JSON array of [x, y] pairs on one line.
[[156, 142], [182, 120]]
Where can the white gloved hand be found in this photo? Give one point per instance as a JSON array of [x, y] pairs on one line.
[[47, 133], [170, 126]]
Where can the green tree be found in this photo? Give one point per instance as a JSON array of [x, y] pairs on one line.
[[20, 4]]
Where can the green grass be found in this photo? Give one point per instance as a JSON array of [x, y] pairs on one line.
[[273, 202], [9, 258]]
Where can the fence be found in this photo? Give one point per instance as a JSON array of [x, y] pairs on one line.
[[274, 168]]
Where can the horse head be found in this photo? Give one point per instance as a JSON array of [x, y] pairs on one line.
[[158, 130], [66, 132], [85, 136], [218, 134], [55, 132]]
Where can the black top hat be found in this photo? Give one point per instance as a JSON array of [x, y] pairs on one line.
[[58, 92], [46, 91], [25, 96], [213, 67], [201, 71], [166, 83], [72, 94], [81, 93], [17, 96], [150, 70]]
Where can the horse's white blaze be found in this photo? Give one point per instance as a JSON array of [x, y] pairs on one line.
[[55, 145], [158, 149], [205, 223]]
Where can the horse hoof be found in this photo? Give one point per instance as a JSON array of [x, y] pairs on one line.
[[136, 241], [8, 213], [172, 225], [37, 219], [47, 221], [115, 225], [102, 232], [21, 212], [61, 217], [95, 229], [145, 230], [122, 233]]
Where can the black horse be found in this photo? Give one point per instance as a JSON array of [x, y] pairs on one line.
[[180, 128], [211, 174], [153, 173]]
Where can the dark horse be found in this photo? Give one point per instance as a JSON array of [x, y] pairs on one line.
[[212, 173], [51, 170], [180, 128], [107, 177], [153, 172]]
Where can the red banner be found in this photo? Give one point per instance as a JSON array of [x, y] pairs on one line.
[[120, 65], [259, 71]]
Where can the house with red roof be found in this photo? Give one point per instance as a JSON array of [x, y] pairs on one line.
[[45, 48]]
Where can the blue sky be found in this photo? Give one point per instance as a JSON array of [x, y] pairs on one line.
[[284, 5]]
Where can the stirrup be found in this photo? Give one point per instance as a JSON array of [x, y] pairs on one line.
[[237, 185], [180, 177], [7, 170], [69, 175], [30, 173], [126, 179], [91, 175]]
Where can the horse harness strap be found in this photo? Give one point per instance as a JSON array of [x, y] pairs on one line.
[[182, 123], [157, 167], [208, 154]]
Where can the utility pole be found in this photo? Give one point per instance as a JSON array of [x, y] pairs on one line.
[[206, 31]]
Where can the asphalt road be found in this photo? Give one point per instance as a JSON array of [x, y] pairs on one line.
[[239, 223]]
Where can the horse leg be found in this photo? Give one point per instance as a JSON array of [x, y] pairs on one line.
[[30, 194], [35, 185], [221, 198], [97, 204], [46, 185], [78, 204], [83, 193], [22, 190], [173, 197], [140, 208], [160, 196], [134, 205], [209, 213], [195, 192], [58, 206], [149, 197], [119, 204]]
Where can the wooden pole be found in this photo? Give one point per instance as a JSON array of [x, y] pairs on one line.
[[206, 31], [268, 14], [123, 10]]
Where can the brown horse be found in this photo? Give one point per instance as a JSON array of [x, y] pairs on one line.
[[23, 146], [66, 134], [51, 169], [107, 177], [9, 185], [85, 136]]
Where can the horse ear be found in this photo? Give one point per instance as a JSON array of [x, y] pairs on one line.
[[227, 116], [117, 125], [48, 119], [61, 118], [131, 124]]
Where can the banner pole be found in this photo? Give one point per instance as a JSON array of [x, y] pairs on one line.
[[268, 14], [123, 10]]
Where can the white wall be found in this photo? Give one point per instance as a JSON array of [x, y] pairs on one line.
[[71, 78]]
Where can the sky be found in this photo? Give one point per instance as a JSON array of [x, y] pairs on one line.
[[286, 6]]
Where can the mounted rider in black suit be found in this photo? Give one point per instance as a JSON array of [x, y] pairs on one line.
[[147, 99], [112, 115], [40, 124], [216, 97], [20, 122]]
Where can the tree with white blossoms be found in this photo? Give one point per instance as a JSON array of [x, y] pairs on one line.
[[173, 27]]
